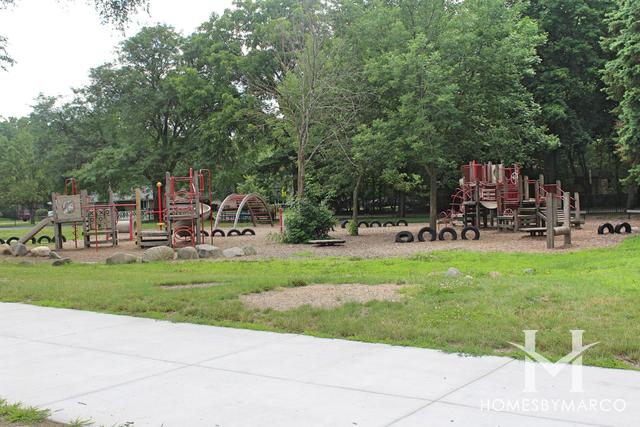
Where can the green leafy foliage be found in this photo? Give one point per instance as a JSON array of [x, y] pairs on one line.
[[306, 220]]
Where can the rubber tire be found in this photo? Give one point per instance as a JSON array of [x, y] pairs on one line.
[[405, 223], [217, 232], [343, 224], [204, 233], [64, 239], [233, 232], [404, 237], [12, 239], [623, 226], [363, 223], [424, 230], [45, 239], [389, 224], [377, 224], [606, 226], [1, 241], [448, 230], [248, 232], [476, 232]]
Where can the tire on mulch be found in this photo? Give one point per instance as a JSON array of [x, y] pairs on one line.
[[473, 229], [44, 239], [1, 241], [389, 224], [376, 223], [403, 222], [343, 223], [204, 233], [218, 232], [606, 226], [448, 230], [404, 237], [622, 226], [363, 223], [64, 239], [233, 232], [12, 239], [248, 232], [429, 231]]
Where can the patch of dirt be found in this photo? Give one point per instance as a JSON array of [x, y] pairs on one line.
[[322, 296], [192, 285]]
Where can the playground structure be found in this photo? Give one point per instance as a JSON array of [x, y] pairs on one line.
[[497, 196], [184, 212], [233, 205]]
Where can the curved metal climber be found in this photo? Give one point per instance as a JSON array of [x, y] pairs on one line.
[[257, 206]]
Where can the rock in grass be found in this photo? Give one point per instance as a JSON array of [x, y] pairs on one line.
[[528, 271], [453, 272], [249, 250], [188, 252], [233, 252], [42, 251], [208, 251], [54, 255], [494, 274], [121, 258], [19, 249], [157, 253], [61, 261], [5, 249]]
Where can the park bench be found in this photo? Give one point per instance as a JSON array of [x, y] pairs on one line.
[[632, 211], [327, 242]]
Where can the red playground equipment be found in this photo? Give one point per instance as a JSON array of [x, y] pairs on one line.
[[494, 195]]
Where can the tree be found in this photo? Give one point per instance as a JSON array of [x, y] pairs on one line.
[[622, 76], [22, 182], [568, 84]]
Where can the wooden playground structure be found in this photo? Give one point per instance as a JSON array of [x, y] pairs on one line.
[[494, 195], [184, 212]]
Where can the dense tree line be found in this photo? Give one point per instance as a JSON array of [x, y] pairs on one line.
[[364, 104]]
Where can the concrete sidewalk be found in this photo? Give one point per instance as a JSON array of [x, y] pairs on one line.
[[118, 369]]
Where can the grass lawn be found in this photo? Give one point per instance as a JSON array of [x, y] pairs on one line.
[[594, 290]]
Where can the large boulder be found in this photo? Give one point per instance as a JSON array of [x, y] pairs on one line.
[[188, 252], [233, 252], [121, 258], [158, 253], [5, 249], [249, 250], [208, 251], [42, 251], [19, 249]]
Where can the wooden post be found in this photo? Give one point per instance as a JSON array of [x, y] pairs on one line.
[[477, 213], [138, 222], [576, 198], [551, 220], [567, 218], [198, 236], [526, 187]]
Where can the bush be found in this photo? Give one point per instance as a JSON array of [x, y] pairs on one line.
[[306, 220], [352, 228]]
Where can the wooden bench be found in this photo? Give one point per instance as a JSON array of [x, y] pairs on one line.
[[328, 242], [535, 231]]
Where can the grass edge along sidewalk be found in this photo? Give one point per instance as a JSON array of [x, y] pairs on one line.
[[594, 290]]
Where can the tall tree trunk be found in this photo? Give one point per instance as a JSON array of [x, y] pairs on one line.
[[355, 205], [401, 207], [300, 179], [550, 166], [433, 197]]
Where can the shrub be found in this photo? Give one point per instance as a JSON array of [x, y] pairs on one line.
[[352, 228], [306, 220], [41, 213]]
